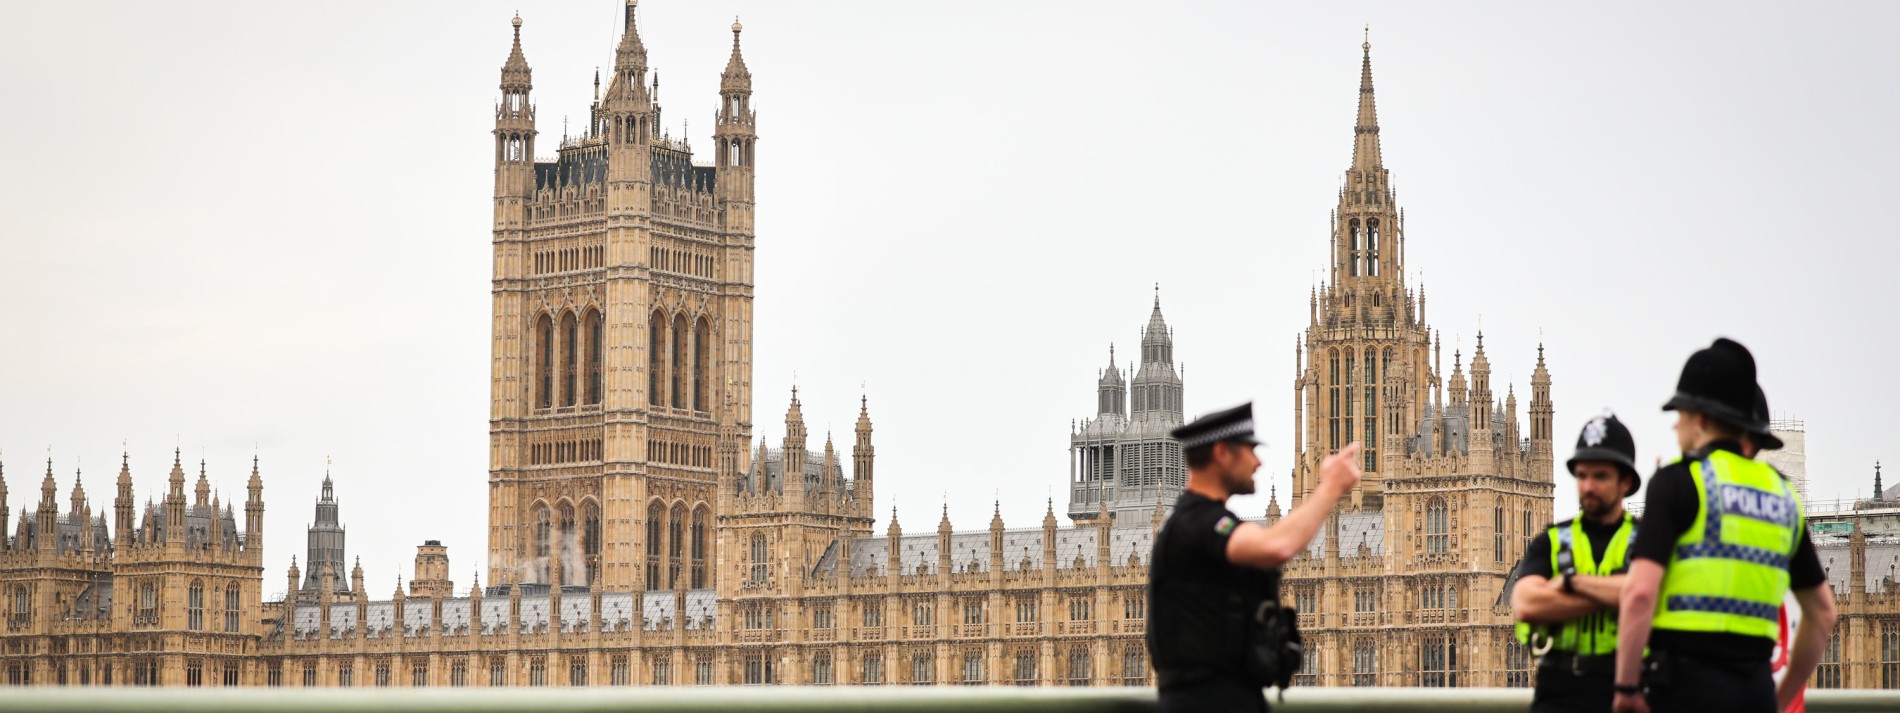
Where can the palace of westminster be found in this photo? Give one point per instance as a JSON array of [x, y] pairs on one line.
[[637, 537]]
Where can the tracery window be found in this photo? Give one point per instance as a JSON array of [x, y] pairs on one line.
[[654, 517], [595, 327], [1437, 527], [569, 340], [195, 606], [544, 353], [656, 358]]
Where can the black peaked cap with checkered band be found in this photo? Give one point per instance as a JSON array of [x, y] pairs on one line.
[[1234, 424]]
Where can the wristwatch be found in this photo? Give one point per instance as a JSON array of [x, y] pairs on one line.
[[1570, 584], [1631, 690]]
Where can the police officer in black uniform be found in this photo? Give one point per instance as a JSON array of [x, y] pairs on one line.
[[1210, 572], [1566, 594]]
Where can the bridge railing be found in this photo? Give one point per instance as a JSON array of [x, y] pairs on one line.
[[815, 699]]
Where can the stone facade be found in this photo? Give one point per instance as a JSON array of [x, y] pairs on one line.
[[638, 536]]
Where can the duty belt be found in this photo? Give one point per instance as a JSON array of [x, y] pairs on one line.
[[1599, 665]]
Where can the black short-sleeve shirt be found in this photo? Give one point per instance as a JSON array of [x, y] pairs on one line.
[[1198, 602], [1669, 510]]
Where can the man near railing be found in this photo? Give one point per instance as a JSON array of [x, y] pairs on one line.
[[1566, 593], [1723, 541], [1211, 572]]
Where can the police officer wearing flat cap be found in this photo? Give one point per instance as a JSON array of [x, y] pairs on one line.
[[1565, 595], [1722, 543], [1213, 577]]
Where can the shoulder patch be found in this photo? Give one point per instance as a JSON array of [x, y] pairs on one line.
[[1226, 525]]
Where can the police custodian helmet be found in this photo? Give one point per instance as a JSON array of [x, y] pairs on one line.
[[1720, 382], [1606, 439]]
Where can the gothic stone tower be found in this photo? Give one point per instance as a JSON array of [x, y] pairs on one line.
[[1365, 374], [1406, 588], [622, 328]]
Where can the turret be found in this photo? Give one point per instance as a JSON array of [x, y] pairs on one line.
[[77, 498], [6, 515], [47, 518], [1111, 393], [1049, 536], [122, 506], [202, 492], [736, 133], [356, 578], [996, 538], [216, 527], [793, 447], [254, 513], [1541, 412], [514, 137], [862, 455], [1156, 388], [175, 503], [943, 543], [1481, 402], [894, 546], [292, 578], [630, 116]]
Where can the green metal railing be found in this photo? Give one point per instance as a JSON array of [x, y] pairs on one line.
[[826, 699]]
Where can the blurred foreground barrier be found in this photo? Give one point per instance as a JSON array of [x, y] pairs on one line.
[[825, 699]]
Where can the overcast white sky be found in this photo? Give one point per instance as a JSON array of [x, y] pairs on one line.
[[264, 227]]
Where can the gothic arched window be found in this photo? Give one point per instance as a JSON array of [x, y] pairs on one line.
[[699, 548], [758, 555], [1497, 539], [590, 539], [544, 353], [1437, 527], [679, 362], [1372, 246], [233, 608], [656, 358], [675, 543], [569, 340], [654, 517], [195, 606], [1352, 258], [564, 543], [702, 363], [595, 326], [543, 536]]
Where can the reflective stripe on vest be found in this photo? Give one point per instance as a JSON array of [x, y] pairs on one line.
[[1594, 633], [1730, 568]]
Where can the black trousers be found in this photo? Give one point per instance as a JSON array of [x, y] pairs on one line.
[[1561, 691], [1696, 684], [1214, 696]]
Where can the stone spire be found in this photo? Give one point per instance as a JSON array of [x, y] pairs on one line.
[[736, 78], [516, 67], [1365, 145], [1880, 493], [630, 64]]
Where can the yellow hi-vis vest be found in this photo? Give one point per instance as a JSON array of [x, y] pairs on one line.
[[1592, 634], [1729, 572]]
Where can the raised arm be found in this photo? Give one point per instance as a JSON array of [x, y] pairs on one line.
[[1271, 546]]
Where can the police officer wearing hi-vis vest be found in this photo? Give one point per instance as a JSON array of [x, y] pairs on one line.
[[1567, 588], [1722, 543]]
